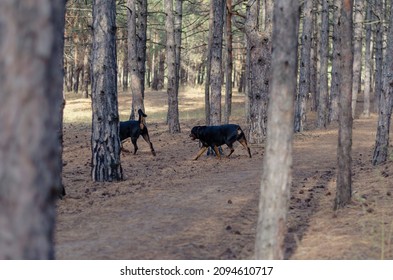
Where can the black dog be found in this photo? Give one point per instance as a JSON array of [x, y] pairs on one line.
[[215, 136], [134, 129]]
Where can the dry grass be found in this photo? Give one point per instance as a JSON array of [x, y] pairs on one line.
[[191, 106]]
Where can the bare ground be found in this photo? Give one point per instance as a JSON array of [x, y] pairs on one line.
[[170, 207]]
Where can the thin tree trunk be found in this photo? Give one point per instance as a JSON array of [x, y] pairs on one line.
[[31, 83], [125, 61], [357, 52], [86, 70], [378, 52], [208, 66], [216, 62], [229, 63], [305, 67], [367, 64], [178, 31], [381, 148], [161, 70], [154, 84], [105, 122], [324, 54], [173, 104], [277, 171], [136, 79], [141, 30], [344, 149], [335, 78], [314, 78]]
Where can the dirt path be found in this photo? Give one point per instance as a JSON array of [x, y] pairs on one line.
[[170, 207]]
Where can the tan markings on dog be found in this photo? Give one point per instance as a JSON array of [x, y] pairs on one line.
[[217, 152], [201, 151]]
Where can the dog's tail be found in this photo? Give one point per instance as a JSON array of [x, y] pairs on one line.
[[141, 120], [241, 137], [240, 133]]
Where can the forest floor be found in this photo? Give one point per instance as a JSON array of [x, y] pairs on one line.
[[171, 207]]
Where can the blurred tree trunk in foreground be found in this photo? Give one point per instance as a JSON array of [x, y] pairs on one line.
[[31, 78], [277, 171]]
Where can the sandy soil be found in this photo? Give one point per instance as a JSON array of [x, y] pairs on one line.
[[170, 207]]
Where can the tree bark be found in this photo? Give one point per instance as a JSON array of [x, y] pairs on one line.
[[305, 67], [178, 31], [136, 53], [314, 78], [277, 171], [173, 104], [216, 62], [126, 67], [323, 76], [229, 63], [367, 64], [105, 140], [378, 16], [335, 79], [86, 71], [208, 65], [258, 74], [385, 102], [357, 52], [31, 83], [344, 149]]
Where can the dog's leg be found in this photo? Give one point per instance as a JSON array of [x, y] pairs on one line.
[[243, 141], [122, 148], [133, 140], [217, 152], [147, 139], [201, 151], [231, 148]]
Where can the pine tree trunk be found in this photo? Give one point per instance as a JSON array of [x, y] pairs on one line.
[[178, 31], [336, 59], [367, 64], [31, 83], [173, 104], [277, 171], [357, 52], [378, 51], [134, 54], [155, 63], [344, 149], [208, 66], [105, 124], [125, 61], [324, 57], [314, 78], [216, 62], [305, 67], [141, 30], [259, 56], [381, 150], [86, 71], [161, 71], [229, 63]]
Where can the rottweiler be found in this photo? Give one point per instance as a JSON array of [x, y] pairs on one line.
[[215, 136], [134, 129]]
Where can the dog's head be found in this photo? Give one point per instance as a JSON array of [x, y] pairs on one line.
[[194, 132]]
